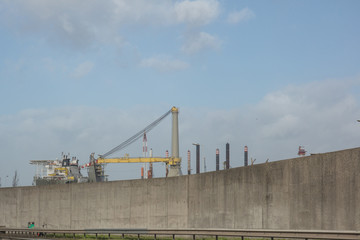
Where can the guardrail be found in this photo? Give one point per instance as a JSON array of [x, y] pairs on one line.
[[261, 233]]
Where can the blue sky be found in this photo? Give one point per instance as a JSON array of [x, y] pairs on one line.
[[83, 76]]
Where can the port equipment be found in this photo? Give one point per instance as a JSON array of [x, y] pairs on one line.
[[301, 151], [61, 171], [95, 166]]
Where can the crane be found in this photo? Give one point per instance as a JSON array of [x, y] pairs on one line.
[[96, 170]]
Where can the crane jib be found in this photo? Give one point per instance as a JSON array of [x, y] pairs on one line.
[[136, 136]]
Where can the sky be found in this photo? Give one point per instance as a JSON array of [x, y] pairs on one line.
[[83, 76]]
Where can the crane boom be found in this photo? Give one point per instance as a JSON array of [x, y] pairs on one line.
[[136, 136], [168, 160]]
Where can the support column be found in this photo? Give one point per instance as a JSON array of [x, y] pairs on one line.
[[217, 159], [175, 170], [175, 133], [197, 158], [227, 155], [245, 156]]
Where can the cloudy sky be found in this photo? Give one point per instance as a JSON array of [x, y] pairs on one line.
[[83, 76]]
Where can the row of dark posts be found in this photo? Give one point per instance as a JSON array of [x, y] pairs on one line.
[[227, 161]]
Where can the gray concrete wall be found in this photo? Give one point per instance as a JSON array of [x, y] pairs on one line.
[[316, 192]]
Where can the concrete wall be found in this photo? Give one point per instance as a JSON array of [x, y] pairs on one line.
[[316, 192]]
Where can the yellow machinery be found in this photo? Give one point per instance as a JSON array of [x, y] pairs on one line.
[[96, 171], [57, 171], [62, 172], [167, 160]]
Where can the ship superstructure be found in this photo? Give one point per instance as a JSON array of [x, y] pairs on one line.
[[62, 171]]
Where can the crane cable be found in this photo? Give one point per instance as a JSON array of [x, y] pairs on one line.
[[136, 136]]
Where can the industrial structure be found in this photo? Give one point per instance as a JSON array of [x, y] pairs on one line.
[[217, 156], [57, 171], [246, 156], [66, 171], [301, 151]]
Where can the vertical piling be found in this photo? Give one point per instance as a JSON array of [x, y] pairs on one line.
[[245, 156], [217, 159], [227, 155], [189, 162], [197, 158]]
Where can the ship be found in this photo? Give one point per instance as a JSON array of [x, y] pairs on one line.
[[63, 171]]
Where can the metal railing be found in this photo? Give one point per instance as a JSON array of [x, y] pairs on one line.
[[242, 233]]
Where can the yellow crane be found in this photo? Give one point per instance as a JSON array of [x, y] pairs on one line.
[[96, 171], [167, 160]]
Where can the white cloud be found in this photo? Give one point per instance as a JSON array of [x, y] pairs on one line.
[[143, 12], [283, 120], [198, 12], [80, 24], [66, 24], [314, 115], [83, 69], [75, 24], [240, 16], [198, 42], [164, 64], [320, 116]]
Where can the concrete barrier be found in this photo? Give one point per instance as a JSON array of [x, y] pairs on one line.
[[320, 192]]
